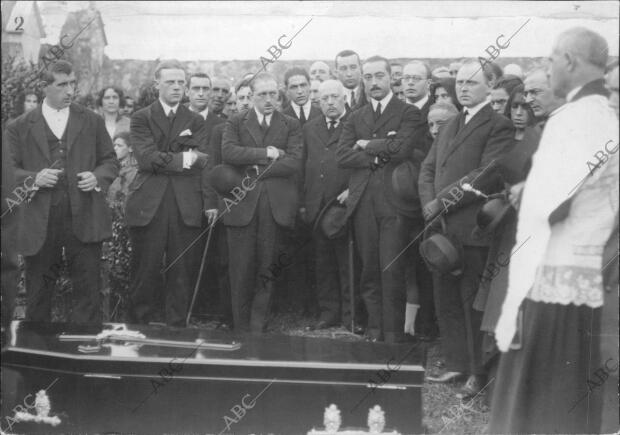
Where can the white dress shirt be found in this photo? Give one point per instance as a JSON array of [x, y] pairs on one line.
[[421, 102], [306, 107], [328, 120], [189, 157], [57, 120], [471, 111], [347, 95], [260, 117], [384, 102]]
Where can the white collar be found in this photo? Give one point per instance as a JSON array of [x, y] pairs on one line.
[[473, 110], [49, 110], [328, 120], [421, 102], [307, 107], [260, 116], [204, 113], [168, 108], [384, 102], [572, 94]]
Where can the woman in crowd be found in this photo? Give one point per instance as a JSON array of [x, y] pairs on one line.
[[438, 115], [109, 102], [444, 90], [117, 251], [494, 282], [501, 92], [27, 101]]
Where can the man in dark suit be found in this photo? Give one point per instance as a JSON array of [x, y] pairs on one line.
[[379, 230], [265, 139], [64, 154], [166, 200], [297, 84], [349, 72], [416, 80], [202, 100], [324, 181], [220, 92], [468, 149]]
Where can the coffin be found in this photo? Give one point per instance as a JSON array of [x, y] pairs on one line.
[[155, 380]]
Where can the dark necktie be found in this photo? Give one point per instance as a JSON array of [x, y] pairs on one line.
[[353, 99], [332, 127], [264, 126], [171, 116], [302, 115], [378, 111], [462, 121]]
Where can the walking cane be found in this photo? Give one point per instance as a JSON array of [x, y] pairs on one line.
[[351, 280], [202, 266]]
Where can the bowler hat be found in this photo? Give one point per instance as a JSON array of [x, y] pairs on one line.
[[332, 220], [405, 186], [443, 253], [491, 215], [225, 178]]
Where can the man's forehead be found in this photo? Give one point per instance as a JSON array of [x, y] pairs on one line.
[[471, 72], [348, 60], [62, 77], [330, 88], [199, 81], [536, 80], [414, 68], [266, 84], [372, 67], [172, 73], [297, 79], [319, 66], [220, 83]]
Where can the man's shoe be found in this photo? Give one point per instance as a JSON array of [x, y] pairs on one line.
[[473, 386], [446, 377]]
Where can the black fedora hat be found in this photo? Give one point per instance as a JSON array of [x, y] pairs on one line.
[[443, 253], [405, 185], [491, 215], [332, 220], [224, 178]]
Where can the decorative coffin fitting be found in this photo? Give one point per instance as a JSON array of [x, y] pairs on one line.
[[176, 380]]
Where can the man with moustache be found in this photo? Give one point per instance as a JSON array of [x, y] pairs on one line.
[[468, 149], [63, 155], [379, 229], [243, 92], [319, 70], [349, 71], [539, 96], [167, 199], [219, 95], [324, 181], [271, 141]]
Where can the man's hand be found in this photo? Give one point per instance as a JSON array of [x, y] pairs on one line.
[[515, 193], [47, 177], [87, 182], [343, 196], [431, 210], [201, 159], [211, 215], [274, 153], [361, 144]]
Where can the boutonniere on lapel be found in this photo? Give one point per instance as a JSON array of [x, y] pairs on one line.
[[187, 139]]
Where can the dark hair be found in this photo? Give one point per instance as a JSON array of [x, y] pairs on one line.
[[147, 95], [122, 135], [119, 92], [380, 59], [167, 64], [449, 84], [427, 68], [262, 76], [347, 53], [245, 83], [491, 69], [295, 71], [519, 90], [21, 100], [200, 75], [508, 83], [58, 67], [282, 97]]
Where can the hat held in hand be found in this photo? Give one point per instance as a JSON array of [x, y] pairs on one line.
[[332, 220]]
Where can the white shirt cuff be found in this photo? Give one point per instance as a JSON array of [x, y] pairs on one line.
[[189, 157]]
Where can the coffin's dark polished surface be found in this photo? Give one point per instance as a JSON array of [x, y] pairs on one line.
[[168, 383]]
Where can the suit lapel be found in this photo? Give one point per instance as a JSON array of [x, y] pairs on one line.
[[336, 134], [180, 120], [386, 114], [159, 117], [74, 126], [483, 116], [276, 124], [322, 131], [38, 132], [251, 123]]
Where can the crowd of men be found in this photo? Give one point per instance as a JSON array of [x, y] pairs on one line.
[[362, 164]]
